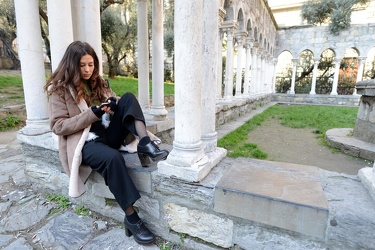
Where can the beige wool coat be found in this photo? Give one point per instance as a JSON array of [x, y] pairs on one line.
[[72, 123]]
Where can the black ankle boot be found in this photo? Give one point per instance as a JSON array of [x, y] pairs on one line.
[[141, 233], [152, 150]]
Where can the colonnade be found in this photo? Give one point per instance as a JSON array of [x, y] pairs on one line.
[[198, 83], [259, 66], [337, 62]]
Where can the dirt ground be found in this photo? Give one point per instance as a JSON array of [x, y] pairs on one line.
[[301, 146]]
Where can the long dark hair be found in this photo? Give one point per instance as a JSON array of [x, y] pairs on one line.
[[68, 73]]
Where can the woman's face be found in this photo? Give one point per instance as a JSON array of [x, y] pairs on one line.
[[87, 66]]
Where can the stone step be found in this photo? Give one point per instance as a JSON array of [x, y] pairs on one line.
[[285, 195]]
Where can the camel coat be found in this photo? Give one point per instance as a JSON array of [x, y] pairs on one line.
[[72, 123]]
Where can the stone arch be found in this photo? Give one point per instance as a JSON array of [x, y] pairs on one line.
[[241, 21], [348, 71], [284, 69], [369, 67], [249, 28], [256, 38], [325, 73], [229, 10], [304, 72]]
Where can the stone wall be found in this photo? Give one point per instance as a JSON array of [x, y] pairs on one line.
[[317, 39], [338, 100]]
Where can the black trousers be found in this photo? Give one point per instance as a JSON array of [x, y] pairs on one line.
[[102, 154]]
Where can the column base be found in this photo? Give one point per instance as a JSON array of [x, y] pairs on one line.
[[36, 127], [158, 114], [196, 171], [367, 177]]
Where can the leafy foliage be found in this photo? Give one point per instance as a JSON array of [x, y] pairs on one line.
[[8, 31], [119, 31], [337, 13]]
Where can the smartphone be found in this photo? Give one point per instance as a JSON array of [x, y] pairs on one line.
[[104, 104]]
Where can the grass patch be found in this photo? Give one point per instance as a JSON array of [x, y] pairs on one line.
[[61, 200], [320, 118], [121, 85], [9, 122]]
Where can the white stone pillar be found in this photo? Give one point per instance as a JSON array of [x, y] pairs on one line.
[[187, 160], [229, 66], [274, 61], [361, 63], [220, 34], [240, 40], [30, 51], [209, 77], [259, 83], [247, 68], [295, 63], [86, 25], [254, 68], [157, 110], [336, 76], [229, 28], [60, 29], [315, 72], [143, 56]]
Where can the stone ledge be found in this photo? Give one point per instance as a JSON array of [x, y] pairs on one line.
[[342, 139], [284, 195]]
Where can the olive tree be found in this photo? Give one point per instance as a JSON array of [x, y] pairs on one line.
[[337, 13]]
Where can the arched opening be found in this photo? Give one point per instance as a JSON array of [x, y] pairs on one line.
[[348, 72], [304, 72], [284, 68], [326, 72], [369, 68]]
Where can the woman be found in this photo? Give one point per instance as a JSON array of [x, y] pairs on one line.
[[86, 143]]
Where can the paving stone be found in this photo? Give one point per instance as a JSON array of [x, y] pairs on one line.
[[115, 239], [66, 231], [23, 216]]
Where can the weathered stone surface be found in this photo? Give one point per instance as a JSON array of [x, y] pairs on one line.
[[66, 231], [113, 240], [196, 223], [19, 244], [24, 216]]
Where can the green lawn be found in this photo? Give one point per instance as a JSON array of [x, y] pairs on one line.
[[320, 118]]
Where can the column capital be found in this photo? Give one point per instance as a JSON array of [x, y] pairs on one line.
[[222, 13], [362, 59], [337, 60], [229, 26], [295, 60], [240, 37]]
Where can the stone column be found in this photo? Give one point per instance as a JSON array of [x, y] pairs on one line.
[[240, 40], [361, 65], [220, 34], [315, 72], [158, 110], [30, 51], [229, 28], [209, 77], [259, 83], [274, 61], [336, 76], [143, 55], [254, 69], [187, 160], [247, 68], [60, 29], [86, 25], [295, 63]]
